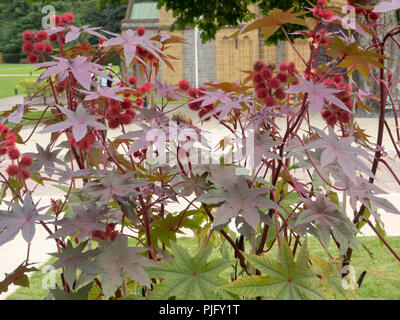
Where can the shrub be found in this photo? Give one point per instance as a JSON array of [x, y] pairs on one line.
[[133, 186]]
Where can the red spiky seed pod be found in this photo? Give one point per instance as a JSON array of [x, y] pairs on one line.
[[126, 119], [266, 73], [282, 76], [40, 47], [41, 35], [26, 161], [283, 66], [261, 93], [33, 58], [274, 83], [258, 66], [184, 85], [28, 35], [332, 119], [132, 80], [141, 31], [113, 123], [27, 47], [269, 101], [13, 153], [26, 174], [12, 170], [48, 48], [374, 16]]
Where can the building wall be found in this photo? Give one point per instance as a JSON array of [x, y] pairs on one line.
[[176, 51], [206, 59], [235, 54]]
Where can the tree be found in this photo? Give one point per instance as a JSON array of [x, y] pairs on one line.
[[16, 16]]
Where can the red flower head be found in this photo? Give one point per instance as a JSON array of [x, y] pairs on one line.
[[126, 104], [327, 14], [282, 76], [193, 92], [195, 106], [266, 72], [331, 119], [280, 94]]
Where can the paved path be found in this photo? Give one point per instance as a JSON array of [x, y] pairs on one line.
[[6, 103]]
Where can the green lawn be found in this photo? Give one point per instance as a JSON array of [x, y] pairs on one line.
[[17, 69], [382, 280]]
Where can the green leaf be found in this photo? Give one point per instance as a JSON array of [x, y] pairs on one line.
[[332, 280], [165, 229], [188, 278], [81, 294], [281, 280]]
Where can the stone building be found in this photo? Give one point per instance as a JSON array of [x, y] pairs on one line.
[[219, 60]]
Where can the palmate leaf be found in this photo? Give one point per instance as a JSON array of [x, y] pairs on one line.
[[113, 185], [283, 280], [79, 67], [20, 218], [79, 121], [164, 229], [80, 294], [317, 94], [327, 217], [85, 221], [340, 152], [239, 199], [332, 280], [366, 193], [354, 57], [45, 159], [118, 260], [271, 23], [72, 259], [188, 278]]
